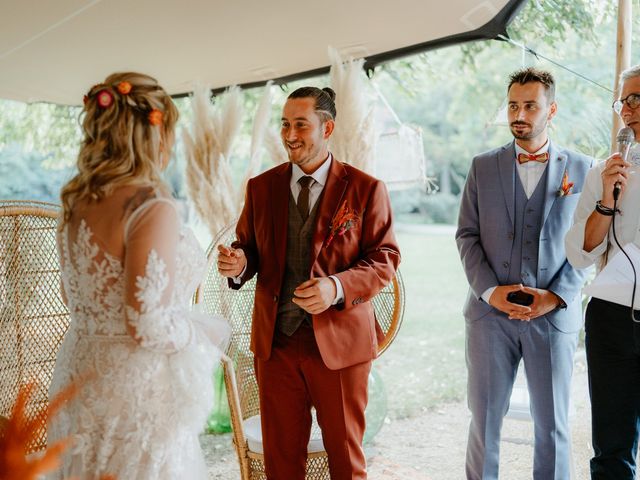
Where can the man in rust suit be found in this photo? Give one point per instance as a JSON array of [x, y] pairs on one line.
[[318, 233]]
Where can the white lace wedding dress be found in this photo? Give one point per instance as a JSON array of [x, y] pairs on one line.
[[130, 272]]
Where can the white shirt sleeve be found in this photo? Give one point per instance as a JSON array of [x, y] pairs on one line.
[[574, 241], [487, 294], [339, 290]]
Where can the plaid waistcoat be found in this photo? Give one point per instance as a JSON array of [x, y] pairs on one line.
[[297, 265]]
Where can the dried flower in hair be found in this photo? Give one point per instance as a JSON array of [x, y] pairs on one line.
[[105, 98], [155, 117], [124, 88]]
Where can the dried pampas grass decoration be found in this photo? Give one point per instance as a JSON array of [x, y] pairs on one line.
[[270, 138], [208, 150], [273, 145], [354, 138], [208, 172], [262, 138]]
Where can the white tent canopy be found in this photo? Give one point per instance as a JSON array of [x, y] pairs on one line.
[[55, 50]]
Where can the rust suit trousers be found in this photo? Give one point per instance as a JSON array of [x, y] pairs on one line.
[[290, 382]]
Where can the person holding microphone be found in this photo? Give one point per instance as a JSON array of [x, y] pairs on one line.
[[607, 217]]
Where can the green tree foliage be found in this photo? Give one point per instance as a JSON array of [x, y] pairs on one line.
[[551, 23], [51, 130], [23, 176], [38, 146], [457, 95]]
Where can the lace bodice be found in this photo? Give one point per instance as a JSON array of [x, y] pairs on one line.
[[94, 285], [96, 282]]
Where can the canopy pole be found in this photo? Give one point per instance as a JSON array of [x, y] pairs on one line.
[[623, 59]]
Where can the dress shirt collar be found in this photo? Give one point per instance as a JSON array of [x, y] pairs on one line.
[[320, 175]]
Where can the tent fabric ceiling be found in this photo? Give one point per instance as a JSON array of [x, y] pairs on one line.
[[54, 51]]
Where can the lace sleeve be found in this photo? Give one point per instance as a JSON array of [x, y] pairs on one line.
[[153, 317]]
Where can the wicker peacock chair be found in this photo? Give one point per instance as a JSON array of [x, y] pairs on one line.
[[33, 317], [239, 375]]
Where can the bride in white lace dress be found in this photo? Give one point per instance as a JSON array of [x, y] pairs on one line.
[[129, 269]]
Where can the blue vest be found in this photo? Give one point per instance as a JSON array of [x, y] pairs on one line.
[[523, 267]]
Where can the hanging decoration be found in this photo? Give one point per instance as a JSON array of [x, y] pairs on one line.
[[354, 139]]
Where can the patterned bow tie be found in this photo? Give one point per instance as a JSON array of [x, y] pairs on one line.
[[530, 157]]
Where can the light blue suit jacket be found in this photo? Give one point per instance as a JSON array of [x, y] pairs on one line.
[[486, 224]]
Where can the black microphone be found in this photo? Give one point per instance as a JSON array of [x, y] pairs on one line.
[[624, 139]]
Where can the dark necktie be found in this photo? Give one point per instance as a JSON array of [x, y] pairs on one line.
[[303, 196]]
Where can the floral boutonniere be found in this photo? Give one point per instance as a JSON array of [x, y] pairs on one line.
[[342, 222], [567, 187]]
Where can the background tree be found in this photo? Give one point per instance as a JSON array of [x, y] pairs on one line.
[[453, 94], [457, 95]]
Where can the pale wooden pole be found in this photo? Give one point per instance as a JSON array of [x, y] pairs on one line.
[[623, 58]]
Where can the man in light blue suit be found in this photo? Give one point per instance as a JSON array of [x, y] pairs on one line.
[[524, 298]]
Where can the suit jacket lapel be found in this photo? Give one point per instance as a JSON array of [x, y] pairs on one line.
[[280, 208], [507, 171], [557, 166], [330, 202]]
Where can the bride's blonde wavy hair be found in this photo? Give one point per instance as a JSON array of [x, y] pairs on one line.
[[122, 143]]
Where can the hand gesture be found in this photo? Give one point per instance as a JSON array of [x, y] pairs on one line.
[[615, 171], [499, 301], [543, 301], [315, 295], [231, 261]]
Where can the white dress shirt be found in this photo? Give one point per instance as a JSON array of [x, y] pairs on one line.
[[315, 189], [627, 221], [530, 174]]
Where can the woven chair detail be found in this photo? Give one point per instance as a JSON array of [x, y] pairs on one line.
[[33, 317], [240, 381]]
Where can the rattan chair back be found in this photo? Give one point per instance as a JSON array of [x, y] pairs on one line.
[[240, 380], [33, 317]]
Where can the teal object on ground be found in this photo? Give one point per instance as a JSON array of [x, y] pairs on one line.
[[219, 420], [376, 410]]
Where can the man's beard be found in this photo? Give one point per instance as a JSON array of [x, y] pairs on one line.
[[309, 155], [532, 133]]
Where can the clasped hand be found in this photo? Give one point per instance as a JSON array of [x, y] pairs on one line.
[[315, 295], [543, 302]]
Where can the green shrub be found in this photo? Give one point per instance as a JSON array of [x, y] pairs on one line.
[[440, 208]]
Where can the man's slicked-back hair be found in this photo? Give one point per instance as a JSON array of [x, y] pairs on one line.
[[325, 105], [531, 74]]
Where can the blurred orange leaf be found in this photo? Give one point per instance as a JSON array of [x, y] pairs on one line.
[[20, 431]]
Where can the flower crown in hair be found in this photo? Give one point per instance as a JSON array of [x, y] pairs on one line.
[[105, 98]]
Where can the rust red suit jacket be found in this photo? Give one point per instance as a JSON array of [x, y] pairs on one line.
[[364, 258]]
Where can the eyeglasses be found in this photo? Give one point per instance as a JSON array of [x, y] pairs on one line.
[[632, 100]]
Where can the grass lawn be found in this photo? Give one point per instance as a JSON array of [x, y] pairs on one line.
[[425, 365]]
